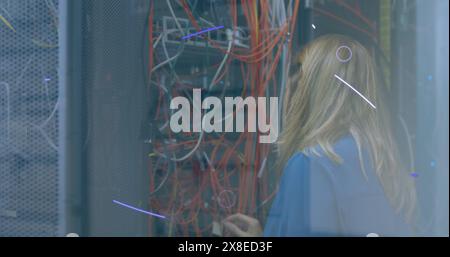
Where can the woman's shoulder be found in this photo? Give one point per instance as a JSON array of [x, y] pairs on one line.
[[353, 175], [345, 148], [354, 188]]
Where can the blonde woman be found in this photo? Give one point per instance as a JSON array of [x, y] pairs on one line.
[[342, 174]]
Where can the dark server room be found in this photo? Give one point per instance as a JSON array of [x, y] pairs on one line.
[[224, 118]]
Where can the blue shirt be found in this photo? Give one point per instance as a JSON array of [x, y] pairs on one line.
[[318, 197]]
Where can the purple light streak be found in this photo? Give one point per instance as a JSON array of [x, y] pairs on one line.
[[139, 210]]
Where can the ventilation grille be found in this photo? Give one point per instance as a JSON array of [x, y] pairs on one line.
[[28, 118]]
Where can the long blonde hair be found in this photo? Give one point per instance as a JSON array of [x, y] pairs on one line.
[[319, 109]]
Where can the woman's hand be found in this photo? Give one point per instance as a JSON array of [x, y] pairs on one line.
[[240, 225]]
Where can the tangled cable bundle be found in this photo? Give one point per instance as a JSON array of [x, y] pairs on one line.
[[197, 179]]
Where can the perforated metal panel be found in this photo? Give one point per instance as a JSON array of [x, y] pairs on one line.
[[113, 80], [28, 118]]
